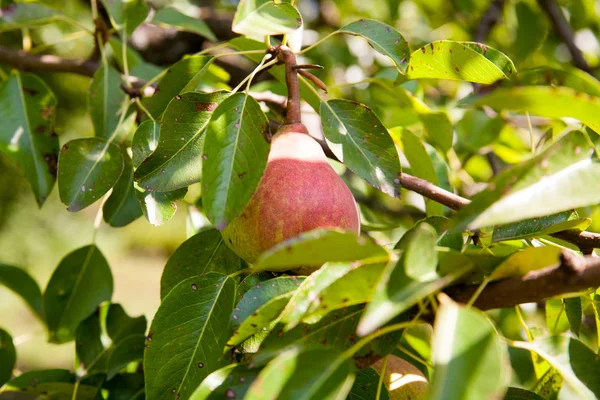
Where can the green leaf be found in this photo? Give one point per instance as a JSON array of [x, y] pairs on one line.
[[476, 129], [175, 80], [105, 99], [119, 325], [27, 135], [126, 344], [57, 391], [574, 313], [556, 318], [420, 257], [356, 287], [176, 161], [231, 381], [527, 260], [126, 14], [337, 331], [26, 14], [159, 207], [88, 168], [20, 282], [463, 61], [578, 364], [32, 378], [570, 77], [559, 160], [125, 387], [521, 394], [258, 325], [122, 207], [8, 355], [421, 165], [397, 292], [301, 374], [551, 102], [357, 138], [531, 30], [467, 347], [145, 141], [568, 189], [188, 335], [312, 287], [173, 18], [124, 352], [235, 157], [79, 284], [383, 38], [202, 253], [366, 385], [138, 67], [257, 19], [317, 247], [536, 226], [260, 306]]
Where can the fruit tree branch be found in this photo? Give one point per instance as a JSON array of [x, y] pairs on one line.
[[489, 19], [285, 55], [565, 33], [571, 274], [46, 63]]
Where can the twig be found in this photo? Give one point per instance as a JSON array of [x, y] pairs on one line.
[[46, 63], [489, 19], [572, 274], [565, 33], [287, 57]]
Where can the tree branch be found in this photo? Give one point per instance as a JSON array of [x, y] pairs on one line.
[[489, 19], [572, 274], [565, 33], [46, 63]]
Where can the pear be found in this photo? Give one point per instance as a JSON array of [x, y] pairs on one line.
[[403, 380], [299, 192]]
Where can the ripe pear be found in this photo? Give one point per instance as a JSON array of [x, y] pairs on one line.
[[403, 380], [299, 192]]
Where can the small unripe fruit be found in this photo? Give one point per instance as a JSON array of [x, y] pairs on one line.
[[403, 380], [299, 192]]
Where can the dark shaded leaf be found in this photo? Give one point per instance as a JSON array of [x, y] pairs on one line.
[[357, 137], [8, 355], [88, 168], [79, 284], [202, 253], [105, 101], [188, 335], [175, 80], [20, 282], [122, 207], [176, 161], [27, 135]]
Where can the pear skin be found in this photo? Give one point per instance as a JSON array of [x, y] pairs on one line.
[[299, 192]]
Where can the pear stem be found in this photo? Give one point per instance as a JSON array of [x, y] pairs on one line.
[[285, 55]]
